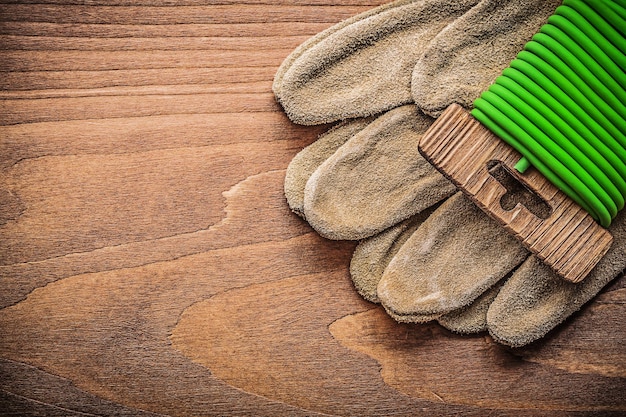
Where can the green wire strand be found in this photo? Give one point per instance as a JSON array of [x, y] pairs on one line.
[[583, 76], [558, 113], [562, 104], [507, 132], [621, 3], [593, 105], [566, 136], [607, 55], [559, 58], [604, 12], [618, 9], [556, 158], [611, 81], [586, 67], [536, 125], [570, 110], [597, 21]]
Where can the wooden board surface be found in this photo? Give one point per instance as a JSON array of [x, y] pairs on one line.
[[149, 262]]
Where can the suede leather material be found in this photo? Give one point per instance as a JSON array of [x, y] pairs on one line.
[[363, 66], [473, 317], [304, 164], [372, 255], [469, 54], [376, 179], [456, 255], [535, 300]]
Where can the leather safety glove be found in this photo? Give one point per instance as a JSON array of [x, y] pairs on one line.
[[518, 309], [355, 69], [367, 175], [466, 55]]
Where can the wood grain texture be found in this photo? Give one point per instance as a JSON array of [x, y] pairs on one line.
[[149, 264]]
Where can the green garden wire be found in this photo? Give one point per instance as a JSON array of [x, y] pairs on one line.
[[562, 104]]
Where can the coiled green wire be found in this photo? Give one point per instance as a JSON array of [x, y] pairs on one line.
[[562, 104]]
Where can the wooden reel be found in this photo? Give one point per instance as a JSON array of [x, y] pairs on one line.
[[567, 238]]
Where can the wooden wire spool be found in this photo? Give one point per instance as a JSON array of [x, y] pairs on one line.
[[565, 237]]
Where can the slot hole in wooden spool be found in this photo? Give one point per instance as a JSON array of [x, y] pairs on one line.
[[517, 192], [553, 227]]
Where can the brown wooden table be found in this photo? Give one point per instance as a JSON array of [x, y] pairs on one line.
[[150, 264]]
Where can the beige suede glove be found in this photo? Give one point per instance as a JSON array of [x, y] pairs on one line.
[[366, 175], [364, 66]]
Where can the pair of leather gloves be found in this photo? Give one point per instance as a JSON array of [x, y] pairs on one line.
[[426, 251]]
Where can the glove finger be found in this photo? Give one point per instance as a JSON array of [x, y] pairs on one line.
[[456, 255], [535, 300], [472, 318], [372, 255], [305, 47], [362, 66], [468, 55], [411, 318], [310, 158], [376, 179]]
